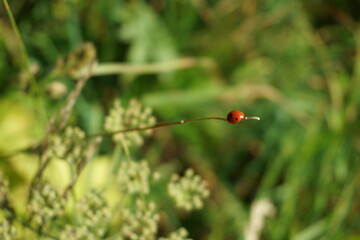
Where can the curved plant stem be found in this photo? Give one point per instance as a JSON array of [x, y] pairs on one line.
[[24, 56], [57, 125], [152, 68], [158, 125], [88, 153]]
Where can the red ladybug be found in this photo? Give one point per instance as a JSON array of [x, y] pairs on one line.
[[235, 116]]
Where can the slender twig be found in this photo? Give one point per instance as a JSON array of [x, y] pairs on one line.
[[253, 118], [158, 125], [88, 153], [150, 68], [24, 56], [65, 112], [57, 126]]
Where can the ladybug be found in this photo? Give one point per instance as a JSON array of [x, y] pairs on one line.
[[235, 116]]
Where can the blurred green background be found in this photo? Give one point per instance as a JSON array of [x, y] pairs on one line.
[[295, 64]]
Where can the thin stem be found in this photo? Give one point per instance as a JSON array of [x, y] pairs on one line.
[[89, 152], [24, 56], [116, 158], [66, 111], [126, 150], [177, 64], [159, 125], [254, 118], [57, 126]]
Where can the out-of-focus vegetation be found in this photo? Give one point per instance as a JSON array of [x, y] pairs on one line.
[[295, 64]]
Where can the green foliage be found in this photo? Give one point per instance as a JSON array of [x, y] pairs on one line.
[[75, 73]]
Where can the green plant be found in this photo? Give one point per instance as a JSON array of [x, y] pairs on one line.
[[74, 73]]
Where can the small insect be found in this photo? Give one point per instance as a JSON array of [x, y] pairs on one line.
[[233, 117], [236, 116]]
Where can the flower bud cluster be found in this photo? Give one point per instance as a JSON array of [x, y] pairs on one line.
[[56, 89], [189, 191], [46, 204], [142, 223], [94, 217], [135, 177], [94, 212], [180, 234], [7, 230], [69, 146], [134, 116], [77, 233]]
